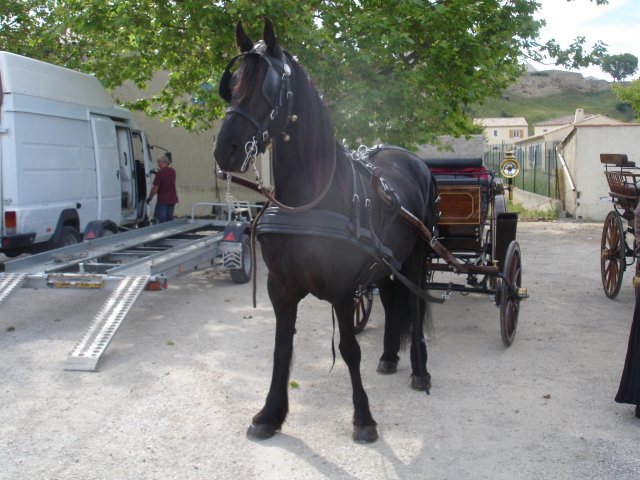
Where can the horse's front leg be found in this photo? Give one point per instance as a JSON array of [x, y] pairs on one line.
[[270, 419], [364, 426]]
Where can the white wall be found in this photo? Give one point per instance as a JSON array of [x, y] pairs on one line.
[[582, 152], [503, 134], [192, 154]]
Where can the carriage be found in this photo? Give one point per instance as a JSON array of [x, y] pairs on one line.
[[479, 240], [618, 243]]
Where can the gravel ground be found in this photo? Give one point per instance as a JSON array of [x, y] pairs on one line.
[[189, 367]]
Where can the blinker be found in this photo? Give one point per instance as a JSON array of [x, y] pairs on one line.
[[272, 83]]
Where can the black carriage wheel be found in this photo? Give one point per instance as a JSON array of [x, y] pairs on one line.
[[363, 305], [612, 254], [509, 301]]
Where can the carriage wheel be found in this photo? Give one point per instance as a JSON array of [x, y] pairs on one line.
[[363, 304], [509, 302], [612, 254]]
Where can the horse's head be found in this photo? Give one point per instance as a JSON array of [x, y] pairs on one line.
[[259, 97]]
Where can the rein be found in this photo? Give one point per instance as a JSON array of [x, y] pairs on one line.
[[303, 208]]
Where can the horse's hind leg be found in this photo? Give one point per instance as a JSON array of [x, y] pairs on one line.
[[391, 345], [270, 419], [420, 376], [364, 426]]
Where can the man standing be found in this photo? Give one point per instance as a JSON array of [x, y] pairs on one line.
[[165, 186]]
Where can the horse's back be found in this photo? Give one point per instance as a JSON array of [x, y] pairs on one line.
[[411, 180]]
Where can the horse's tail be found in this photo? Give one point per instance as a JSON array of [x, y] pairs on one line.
[[412, 312]]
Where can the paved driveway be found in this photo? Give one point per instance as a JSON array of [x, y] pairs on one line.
[[189, 367]]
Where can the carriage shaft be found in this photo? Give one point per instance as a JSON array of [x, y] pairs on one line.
[[466, 268]]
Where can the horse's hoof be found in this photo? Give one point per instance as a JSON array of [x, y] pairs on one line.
[[261, 431], [422, 384], [365, 433], [387, 366]]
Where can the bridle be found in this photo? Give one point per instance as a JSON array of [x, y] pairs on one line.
[[276, 90]]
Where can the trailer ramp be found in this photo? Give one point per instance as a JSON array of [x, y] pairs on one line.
[[87, 353], [9, 283]]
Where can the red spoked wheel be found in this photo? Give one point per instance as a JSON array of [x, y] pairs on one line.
[[364, 304], [612, 254]]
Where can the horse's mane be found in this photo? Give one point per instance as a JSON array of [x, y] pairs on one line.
[[317, 129]]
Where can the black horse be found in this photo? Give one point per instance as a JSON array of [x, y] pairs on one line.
[[330, 234]]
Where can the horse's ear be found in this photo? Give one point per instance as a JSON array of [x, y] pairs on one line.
[[244, 42], [269, 36]]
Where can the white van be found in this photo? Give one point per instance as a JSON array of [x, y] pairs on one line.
[[70, 161]]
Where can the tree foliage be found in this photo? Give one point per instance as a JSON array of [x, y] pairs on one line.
[[630, 95], [399, 70], [620, 66]]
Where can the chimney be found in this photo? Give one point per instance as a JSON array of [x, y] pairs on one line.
[[579, 115]]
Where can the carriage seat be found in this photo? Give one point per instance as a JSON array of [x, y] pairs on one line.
[[459, 171], [617, 160], [463, 189], [453, 163]]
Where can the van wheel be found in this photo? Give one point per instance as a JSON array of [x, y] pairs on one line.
[[69, 236]]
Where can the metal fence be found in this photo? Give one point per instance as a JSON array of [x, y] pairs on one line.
[[538, 166]]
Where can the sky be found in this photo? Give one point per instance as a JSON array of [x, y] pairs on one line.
[[616, 24]]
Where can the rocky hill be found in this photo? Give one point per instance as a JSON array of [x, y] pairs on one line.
[[553, 82], [544, 95]]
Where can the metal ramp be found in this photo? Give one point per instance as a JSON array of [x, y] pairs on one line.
[[87, 353], [9, 283]]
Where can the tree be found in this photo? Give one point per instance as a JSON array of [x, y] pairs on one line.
[[404, 73], [629, 94], [619, 66]]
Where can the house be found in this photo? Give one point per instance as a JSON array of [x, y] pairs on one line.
[[545, 126], [539, 148], [583, 180], [503, 130]]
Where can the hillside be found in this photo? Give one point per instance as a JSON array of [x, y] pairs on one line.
[[540, 96]]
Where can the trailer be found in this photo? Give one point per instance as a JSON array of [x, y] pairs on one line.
[[128, 263]]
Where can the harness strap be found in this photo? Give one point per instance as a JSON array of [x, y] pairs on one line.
[[413, 287], [326, 224]]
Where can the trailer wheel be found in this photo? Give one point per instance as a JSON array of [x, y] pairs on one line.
[[68, 236], [243, 274]]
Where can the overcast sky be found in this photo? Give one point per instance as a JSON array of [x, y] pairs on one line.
[[616, 24]]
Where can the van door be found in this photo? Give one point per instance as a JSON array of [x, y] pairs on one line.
[[105, 146], [141, 172], [127, 173]]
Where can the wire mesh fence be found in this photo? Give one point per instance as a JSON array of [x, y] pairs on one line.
[[538, 166]]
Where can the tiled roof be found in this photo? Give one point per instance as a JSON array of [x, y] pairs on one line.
[[556, 121], [566, 120], [501, 122]]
